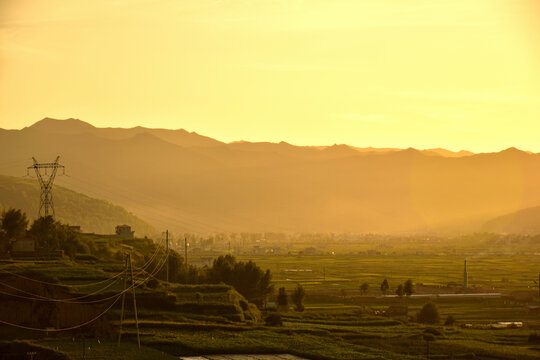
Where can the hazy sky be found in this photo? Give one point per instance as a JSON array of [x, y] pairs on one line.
[[446, 73]]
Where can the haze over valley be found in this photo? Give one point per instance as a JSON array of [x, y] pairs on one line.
[[188, 182]]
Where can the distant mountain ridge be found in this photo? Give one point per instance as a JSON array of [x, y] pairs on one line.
[[92, 215], [75, 126], [524, 221], [188, 182]]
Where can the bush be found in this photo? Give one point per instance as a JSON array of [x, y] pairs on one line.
[[298, 298], [429, 314], [282, 298], [449, 321], [273, 320]]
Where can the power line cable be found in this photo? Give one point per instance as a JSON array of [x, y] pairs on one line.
[[68, 328]]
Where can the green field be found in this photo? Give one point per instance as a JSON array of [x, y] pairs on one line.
[[338, 323], [326, 272]]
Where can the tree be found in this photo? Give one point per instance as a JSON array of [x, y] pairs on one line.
[[43, 231], [282, 298], [298, 298], [399, 290], [364, 288], [408, 287], [384, 286], [14, 223], [246, 277], [429, 314]]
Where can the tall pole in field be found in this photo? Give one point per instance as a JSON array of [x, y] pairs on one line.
[[185, 257], [167, 243], [465, 276]]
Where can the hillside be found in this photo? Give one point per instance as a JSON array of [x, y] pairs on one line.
[[525, 221], [91, 214], [187, 182]]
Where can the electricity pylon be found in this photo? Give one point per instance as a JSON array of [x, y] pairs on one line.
[[46, 205]]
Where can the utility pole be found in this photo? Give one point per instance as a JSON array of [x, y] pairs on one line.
[[134, 302], [123, 300], [128, 262], [465, 276], [167, 244], [185, 257], [46, 205]]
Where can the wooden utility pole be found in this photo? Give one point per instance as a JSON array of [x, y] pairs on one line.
[[123, 300], [134, 302], [167, 244], [128, 262]]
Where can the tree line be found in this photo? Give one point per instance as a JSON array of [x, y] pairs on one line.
[[47, 233]]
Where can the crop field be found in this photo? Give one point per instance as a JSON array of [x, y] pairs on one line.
[[328, 272], [338, 323], [314, 334]]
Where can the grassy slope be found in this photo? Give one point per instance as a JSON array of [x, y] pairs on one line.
[[93, 215]]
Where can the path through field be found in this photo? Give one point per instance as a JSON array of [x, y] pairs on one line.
[[244, 357]]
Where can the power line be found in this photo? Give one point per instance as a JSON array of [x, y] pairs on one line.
[[63, 329], [60, 285], [132, 286], [73, 300]]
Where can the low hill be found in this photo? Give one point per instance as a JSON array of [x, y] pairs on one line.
[[525, 221], [93, 215]]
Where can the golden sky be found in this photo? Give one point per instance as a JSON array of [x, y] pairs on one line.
[[459, 74]]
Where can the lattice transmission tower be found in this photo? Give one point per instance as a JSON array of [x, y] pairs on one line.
[[46, 180]]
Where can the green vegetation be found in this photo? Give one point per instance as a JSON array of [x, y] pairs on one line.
[[384, 287], [91, 214], [297, 298], [429, 314], [178, 319], [282, 298], [364, 288]]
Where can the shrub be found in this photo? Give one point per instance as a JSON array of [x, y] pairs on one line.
[[364, 288], [298, 298], [429, 314], [282, 298], [450, 321], [273, 320]]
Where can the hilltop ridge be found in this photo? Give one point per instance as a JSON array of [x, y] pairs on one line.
[[188, 182]]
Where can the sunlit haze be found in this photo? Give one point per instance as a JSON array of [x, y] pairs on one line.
[[455, 74]]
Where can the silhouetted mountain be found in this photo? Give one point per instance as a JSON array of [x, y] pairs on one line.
[[188, 184], [525, 221], [92, 215], [77, 127]]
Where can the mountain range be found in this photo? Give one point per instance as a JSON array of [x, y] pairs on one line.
[[184, 181]]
